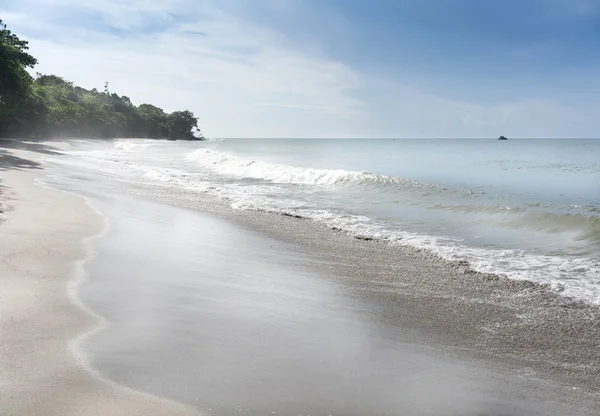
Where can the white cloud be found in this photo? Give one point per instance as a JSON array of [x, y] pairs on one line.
[[224, 77], [245, 80]]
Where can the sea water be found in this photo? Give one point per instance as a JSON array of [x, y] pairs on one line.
[[527, 209]]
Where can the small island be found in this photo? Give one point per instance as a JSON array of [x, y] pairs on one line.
[[502, 138], [49, 106]]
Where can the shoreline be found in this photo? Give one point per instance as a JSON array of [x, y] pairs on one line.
[[510, 324], [42, 253], [462, 266], [523, 324], [258, 321]]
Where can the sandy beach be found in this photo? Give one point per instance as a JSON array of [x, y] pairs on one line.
[[299, 208], [236, 311], [41, 239], [528, 325]]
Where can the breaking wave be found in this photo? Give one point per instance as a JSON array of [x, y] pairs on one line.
[[479, 225], [234, 166]]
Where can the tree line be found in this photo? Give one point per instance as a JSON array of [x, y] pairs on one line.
[[49, 106]]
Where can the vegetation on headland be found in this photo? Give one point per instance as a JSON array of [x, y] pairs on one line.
[[49, 106]]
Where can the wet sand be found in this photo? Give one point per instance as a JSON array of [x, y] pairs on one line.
[[232, 320], [241, 312], [41, 237], [528, 326]]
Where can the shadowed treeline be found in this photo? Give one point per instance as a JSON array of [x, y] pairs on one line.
[[10, 161]]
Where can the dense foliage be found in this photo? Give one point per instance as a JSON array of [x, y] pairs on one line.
[[47, 105]]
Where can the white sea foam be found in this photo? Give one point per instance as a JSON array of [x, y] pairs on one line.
[[231, 165], [248, 184]]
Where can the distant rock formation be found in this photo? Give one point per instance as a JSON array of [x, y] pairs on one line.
[[502, 138]]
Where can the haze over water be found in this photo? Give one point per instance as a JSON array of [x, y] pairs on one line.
[[233, 320], [529, 209]]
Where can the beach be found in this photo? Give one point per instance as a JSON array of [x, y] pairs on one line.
[[41, 241], [129, 299]]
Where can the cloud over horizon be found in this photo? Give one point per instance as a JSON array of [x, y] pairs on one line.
[[258, 71]]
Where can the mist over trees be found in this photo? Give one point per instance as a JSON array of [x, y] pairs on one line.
[[50, 106]]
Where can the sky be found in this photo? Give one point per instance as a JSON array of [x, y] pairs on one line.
[[334, 68]]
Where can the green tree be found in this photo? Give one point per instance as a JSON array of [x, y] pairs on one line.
[[180, 125], [153, 121], [15, 81], [52, 106]]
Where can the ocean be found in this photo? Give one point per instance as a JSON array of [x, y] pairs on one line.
[[526, 209]]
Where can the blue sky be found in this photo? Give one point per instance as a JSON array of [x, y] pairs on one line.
[[335, 68]]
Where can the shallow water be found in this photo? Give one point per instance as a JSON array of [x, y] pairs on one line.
[[529, 209], [232, 321]]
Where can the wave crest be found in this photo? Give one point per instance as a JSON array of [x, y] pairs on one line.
[[230, 165]]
